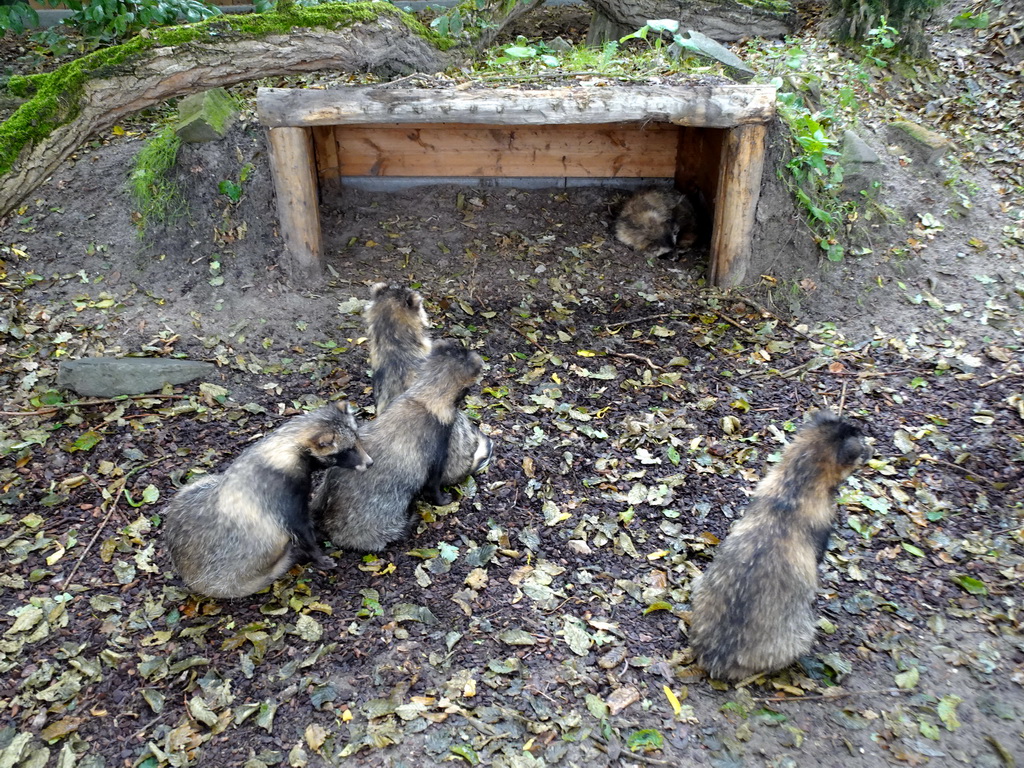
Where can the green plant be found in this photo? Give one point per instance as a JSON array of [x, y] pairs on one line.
[[156, 197], [16, 17], [879, 43], [815, 174], [233, 189], [857, 19], [523, 49], [107, 21]]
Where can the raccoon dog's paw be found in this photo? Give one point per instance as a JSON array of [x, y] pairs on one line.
[[438, 498], [324, 561]]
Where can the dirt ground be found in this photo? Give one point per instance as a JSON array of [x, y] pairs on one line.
[[540, 619]]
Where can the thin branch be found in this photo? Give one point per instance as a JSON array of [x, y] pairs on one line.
[[645, 319], [639, 358], [603, 746], [929, 458], [113, 507]]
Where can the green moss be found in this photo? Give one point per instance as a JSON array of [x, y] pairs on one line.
[[219, 111], [156, 197], [56, 96], [781, 7]]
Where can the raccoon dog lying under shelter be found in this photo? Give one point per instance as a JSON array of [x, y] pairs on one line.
[[657, 222], [235, 533], [752, 608], [396, 325], [409, 443]]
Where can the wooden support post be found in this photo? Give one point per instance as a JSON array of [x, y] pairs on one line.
[[298, 209], [739, 186]]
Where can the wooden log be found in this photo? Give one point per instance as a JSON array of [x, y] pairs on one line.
[[298, 211], [458, 149], [739, 186], [702, 106]]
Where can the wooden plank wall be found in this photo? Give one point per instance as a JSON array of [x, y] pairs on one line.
[[456, 149]]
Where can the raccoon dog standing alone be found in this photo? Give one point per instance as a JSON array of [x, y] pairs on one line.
[[396, 325], [752, 608], [657, 222], [409, 444], [233, 534]]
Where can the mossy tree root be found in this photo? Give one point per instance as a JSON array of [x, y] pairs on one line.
[[93, 93]]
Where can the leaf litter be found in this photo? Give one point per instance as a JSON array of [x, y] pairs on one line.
[[540, 619]]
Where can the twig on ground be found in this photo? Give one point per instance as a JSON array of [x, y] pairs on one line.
[[645, 319], [639, 358], [997, 379], [603, 746], [535, 343], [929, 458], [737, 324], [114, 498]]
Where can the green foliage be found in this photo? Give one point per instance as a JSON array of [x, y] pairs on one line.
[[970, 20], [815, 175], [108, 21], [528, 59], [157, 198], [858, 18], [17, 17], [232, 190], [879, 43], [55, 95]]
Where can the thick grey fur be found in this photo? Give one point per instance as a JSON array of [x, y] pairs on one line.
[[657, 222], [396, 325], [234, 533], [409, 443], [753, 609]]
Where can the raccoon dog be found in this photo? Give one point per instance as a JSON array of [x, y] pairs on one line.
[[657, 222], [752, 608], [396, 324], [409, 444], [235, 533]]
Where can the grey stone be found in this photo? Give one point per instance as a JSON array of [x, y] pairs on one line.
[[112, 376], [855, 151], [205, 116], [703, 45], [559, 45]]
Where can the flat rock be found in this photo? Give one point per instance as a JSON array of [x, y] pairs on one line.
[[112, 376]]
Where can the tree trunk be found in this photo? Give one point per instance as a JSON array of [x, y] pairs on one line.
[[95, 92], [721, 20]]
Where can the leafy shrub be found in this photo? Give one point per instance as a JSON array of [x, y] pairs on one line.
[[109, 21], [17, 17]]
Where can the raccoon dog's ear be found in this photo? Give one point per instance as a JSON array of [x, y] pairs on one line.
[[853, 450], [376, 289], [823, 416], [323, 443], [345, 407]]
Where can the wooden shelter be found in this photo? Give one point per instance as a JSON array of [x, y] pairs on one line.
[[709, 135]]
